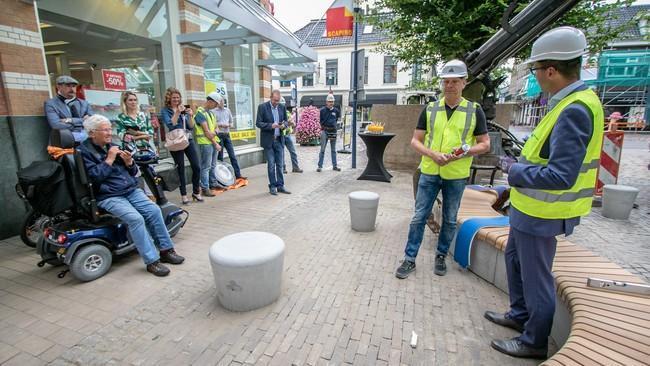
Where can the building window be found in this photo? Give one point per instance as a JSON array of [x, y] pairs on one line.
[[390, 70], [308, 80], [285, 83], [365, 71], [331, 72]]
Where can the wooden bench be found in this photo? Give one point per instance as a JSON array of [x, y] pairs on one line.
[[591, 327]]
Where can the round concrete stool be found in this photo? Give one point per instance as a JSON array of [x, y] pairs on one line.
[[247, 269], [363, 210], [618, 201]]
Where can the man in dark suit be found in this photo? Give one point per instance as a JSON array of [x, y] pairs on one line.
[[271, 120], [65, 111]]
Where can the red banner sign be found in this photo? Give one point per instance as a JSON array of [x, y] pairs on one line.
[[114, 80], [339, 22]]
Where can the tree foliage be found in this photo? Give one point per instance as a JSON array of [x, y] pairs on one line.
[[427, 32]]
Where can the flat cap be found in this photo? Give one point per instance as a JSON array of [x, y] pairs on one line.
[[65, 79]]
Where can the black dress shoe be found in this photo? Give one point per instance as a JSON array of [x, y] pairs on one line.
[[516, 348], [282, 190], [502, 319], [170, 256], [157, 269], [273, 191]]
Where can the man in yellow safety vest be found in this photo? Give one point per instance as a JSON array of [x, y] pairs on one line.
[[448, 134], [552, 186]]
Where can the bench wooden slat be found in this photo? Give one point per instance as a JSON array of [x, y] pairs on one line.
[[552, 362], [602, 264], [564, 359], [609, 308], [622, 305], [629, 319], [592, 349], [632, 337], [622, 344], [608, 295], [582, 358], [613, 321]]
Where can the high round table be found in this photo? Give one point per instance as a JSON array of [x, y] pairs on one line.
[[375, 146]]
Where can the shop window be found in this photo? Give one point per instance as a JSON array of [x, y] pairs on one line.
[[331, 72], [285, 83], [109, 47], [365, 72], [308, 80]]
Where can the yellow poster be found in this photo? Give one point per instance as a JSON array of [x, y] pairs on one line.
[[243, 135]]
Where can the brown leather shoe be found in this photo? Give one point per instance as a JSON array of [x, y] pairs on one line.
[[170, 256], [158, 269], [207, 192]]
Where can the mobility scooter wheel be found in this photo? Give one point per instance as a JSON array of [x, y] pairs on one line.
[[32, 229], [91, 262]]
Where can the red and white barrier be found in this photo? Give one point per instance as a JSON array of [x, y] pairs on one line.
[[610, 159]]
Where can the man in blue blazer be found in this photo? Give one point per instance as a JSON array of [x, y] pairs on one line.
[[271, 120], [65, 111]]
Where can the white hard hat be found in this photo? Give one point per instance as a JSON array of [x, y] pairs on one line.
[[562, 44], [216, 96], [454, 69], [330, 98]]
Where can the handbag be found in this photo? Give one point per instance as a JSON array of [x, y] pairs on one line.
[[177, 139]]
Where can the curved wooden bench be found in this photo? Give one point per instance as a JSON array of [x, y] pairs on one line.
[[591, 327]]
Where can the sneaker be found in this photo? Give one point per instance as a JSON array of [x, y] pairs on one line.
[[336, 169], [440, 268], [405, 269], [170, 256], [296, 170], [319, 170], [158, 269]]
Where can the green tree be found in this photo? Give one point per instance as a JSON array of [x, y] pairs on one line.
[[426, 32]]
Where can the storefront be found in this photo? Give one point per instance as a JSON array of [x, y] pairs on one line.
[[146, 46]]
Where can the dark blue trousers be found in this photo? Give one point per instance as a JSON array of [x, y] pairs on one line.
[[529, 260], [274, 161]]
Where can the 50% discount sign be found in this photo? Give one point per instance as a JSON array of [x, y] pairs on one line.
[[114, 80]]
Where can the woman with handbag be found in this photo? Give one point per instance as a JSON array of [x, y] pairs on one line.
[[179, 141]]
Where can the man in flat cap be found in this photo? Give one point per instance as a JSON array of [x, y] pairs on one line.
[[65, 111]]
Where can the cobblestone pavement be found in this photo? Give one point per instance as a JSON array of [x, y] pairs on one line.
[[340, 304]]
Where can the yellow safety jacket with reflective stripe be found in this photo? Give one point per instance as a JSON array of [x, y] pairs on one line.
[[446, 135], [288, 130], [212, 126], [575, 201]]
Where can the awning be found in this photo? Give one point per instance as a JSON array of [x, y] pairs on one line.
[[319, 100], [247, 22], [378, 99]]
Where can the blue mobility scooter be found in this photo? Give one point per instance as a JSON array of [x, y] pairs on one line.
[[87, 241]]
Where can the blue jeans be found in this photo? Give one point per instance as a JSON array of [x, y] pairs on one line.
[[531, 287], [226, 143], [274, 161], [144, 221], [208, 163], [428, 188], [289, 143], [323, 144]]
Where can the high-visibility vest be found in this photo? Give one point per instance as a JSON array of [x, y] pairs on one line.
[[444, 135], [562, 203], [212, 126], [288, 130]]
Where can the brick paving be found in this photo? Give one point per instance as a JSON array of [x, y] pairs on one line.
[[340, 304]]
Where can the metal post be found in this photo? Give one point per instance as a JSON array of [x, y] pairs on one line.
[[354, 90]]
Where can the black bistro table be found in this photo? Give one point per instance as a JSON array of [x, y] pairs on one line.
[[375, 146]]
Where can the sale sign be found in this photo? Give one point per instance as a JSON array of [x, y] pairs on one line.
[[114, 80], [340, 19]]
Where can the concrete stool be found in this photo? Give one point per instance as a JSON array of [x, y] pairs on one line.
[[363, 210], [247, 269], [618, 201]]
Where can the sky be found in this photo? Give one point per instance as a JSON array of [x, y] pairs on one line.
[[294, 14]]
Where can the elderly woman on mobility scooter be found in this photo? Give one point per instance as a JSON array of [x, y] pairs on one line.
[[112, 172]]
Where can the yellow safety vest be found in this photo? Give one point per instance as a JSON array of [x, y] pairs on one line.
[[446, 135], [289, 130], [575, 201], [212, 126]]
